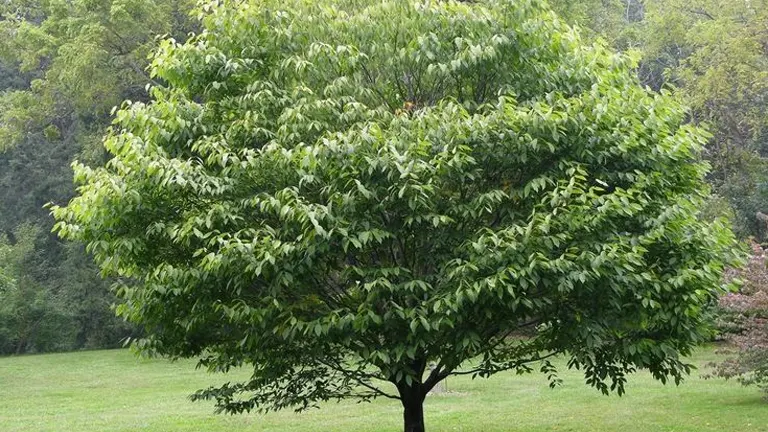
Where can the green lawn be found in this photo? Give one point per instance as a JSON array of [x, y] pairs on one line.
[[114, 391]]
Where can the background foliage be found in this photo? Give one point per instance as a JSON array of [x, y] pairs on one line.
[[63, 66]]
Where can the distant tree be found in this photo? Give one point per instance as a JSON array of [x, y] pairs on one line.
[[611, 20], [52, 308], [80, 58], [32, 317], [338, 194]]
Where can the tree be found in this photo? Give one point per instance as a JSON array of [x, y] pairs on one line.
[[33, 317], [613, 20], [80, 58], [339, 193]]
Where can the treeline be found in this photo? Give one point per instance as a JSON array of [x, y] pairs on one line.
[[65, 63]]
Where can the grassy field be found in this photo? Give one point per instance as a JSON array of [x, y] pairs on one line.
[[114, 391]]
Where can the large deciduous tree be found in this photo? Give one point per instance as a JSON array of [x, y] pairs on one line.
[[338, 194]]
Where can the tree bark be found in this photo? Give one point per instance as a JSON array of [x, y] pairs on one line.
[[413, 414], [412, 396]]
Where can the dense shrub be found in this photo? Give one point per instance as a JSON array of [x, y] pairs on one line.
[[744, 320]]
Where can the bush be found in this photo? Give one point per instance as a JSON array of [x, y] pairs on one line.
[[744, 320]]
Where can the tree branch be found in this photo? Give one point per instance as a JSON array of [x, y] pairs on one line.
[[508, 367], [359, 377], [699, 11]]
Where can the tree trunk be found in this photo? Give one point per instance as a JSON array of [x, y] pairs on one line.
[[20, 345], [413, 414], [412, 397]]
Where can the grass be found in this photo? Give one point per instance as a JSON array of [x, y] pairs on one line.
[[114, 391]]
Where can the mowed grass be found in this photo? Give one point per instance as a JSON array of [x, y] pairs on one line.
[[115, 391]]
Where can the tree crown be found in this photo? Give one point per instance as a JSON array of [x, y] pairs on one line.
[[339, 193]]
